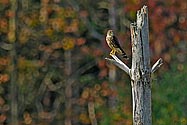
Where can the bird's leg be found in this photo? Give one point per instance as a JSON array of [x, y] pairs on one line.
[[112, 52]]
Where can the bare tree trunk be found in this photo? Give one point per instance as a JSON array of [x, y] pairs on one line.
[[141, 71], [13, 70], [13, 89], [91, 111], [112, 22], [112, 69], [68, 89]]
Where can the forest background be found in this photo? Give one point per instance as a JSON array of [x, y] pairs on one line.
[[53, 68]]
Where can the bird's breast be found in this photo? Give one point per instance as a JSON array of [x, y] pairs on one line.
[[109, 42]]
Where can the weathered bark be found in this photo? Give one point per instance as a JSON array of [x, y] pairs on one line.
[[141, 71]]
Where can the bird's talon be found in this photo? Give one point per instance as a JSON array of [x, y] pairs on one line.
[[112, 53]]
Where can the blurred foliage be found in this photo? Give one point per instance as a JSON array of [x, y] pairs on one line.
[[59, 60], [169, 97]]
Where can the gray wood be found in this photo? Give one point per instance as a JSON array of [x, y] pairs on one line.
[[141, 71]]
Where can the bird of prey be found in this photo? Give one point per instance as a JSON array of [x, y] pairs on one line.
[[113, 43]]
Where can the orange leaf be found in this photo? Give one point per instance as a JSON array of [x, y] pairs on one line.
[[3, 117], [80, 41]]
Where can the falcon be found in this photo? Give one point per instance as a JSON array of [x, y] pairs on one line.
[[113, 43]]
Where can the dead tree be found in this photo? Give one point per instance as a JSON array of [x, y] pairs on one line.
[[140, 72]]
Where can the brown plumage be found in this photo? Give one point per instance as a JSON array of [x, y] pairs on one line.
[[113, 43]]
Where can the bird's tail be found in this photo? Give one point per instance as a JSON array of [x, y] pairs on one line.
[[124, 55]]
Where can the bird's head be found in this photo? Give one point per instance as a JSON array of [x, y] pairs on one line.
[[110, 33]]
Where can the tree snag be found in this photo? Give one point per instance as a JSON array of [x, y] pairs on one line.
[[140, 72]]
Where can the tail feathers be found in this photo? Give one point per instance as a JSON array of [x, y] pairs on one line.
[[124, 55]]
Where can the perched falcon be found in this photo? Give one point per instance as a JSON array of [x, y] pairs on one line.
[[113, 43]]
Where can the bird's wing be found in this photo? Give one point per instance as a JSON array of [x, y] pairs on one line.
[[116, 42]]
